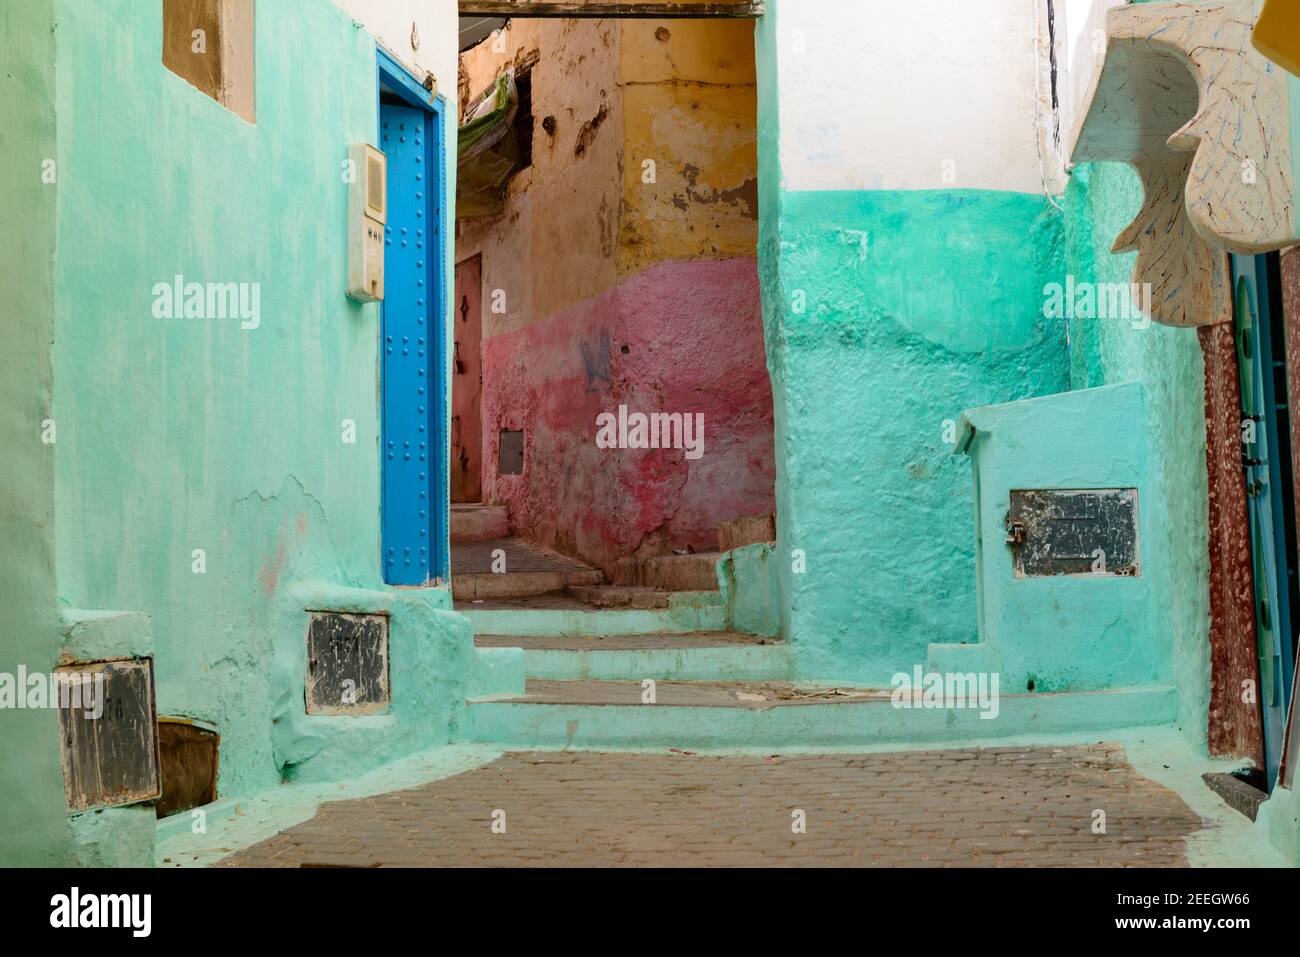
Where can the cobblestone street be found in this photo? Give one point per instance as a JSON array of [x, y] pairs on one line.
[[1009, 807]]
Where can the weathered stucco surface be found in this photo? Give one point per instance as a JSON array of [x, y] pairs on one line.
[[888, 315], [623, 273], [690, 107], [678, 337]]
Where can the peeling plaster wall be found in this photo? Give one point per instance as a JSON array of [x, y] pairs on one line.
[[625, 260], [179, 434], [555, 245], [630, 347], [690, 107], [890, 310]]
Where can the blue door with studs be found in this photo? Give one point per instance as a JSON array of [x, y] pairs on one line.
[[1266, 460], [413, 400]]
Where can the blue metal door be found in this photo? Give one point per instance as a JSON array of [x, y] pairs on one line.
[[413, 522], [1266, 458]]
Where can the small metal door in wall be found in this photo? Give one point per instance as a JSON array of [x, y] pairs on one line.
[[413, 449], [1266, 460]]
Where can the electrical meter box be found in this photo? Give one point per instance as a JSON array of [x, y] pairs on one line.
[[367, 213]]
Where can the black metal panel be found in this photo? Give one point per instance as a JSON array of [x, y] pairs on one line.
[[109, 733], [511, 456], [347, 664], [1074, 532]]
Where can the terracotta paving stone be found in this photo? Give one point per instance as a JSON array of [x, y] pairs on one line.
[[1009, 807]]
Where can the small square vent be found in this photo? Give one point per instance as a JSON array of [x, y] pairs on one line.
[[109, 731], [347, 664]]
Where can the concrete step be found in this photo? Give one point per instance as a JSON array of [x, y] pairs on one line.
[[723, 715], [513, 568], [752, 530], [697, 572], [483, 585], [703, 656], [479, 523], [619, 596], [565, 615]]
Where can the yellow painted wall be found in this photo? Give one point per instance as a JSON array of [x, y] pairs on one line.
[[690, 106], [679, 92]]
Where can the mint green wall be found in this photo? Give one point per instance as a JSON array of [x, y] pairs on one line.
[[184, 434], [915, 306], [919, 305], [1075, 632], [1100, 201], [32, 818]]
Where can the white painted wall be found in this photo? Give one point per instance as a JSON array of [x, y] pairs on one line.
[[433, 47], [1085, 22], [436, 26], [912, 94]]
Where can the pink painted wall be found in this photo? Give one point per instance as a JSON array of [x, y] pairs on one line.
[[681, 336]]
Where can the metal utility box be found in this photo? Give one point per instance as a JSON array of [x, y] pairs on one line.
[[367, 215]]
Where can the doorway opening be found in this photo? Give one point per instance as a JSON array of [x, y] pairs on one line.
[[613, 430], [413, 374]]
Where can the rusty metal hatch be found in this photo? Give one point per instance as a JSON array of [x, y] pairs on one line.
[[109, 733], [188, 755], [347, 664], [1074, 532]]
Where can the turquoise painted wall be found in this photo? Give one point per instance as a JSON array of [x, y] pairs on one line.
[[31, 781], [1100, 201], [888, 314], [185, 434], [1074, 632]]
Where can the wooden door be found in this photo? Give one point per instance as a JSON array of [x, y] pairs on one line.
[[467, 384]]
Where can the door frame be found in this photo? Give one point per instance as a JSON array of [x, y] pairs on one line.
[[392, 77], [1268, 463]]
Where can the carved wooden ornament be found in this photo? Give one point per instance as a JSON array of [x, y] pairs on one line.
[[1184, 97]]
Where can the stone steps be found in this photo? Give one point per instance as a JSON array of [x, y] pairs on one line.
[[528, 570], [479, 523], [697, 572], [700, 656], [686, 612], [619, 596], [702, 715]]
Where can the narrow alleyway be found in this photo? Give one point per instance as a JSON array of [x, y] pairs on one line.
[[1011, 807]]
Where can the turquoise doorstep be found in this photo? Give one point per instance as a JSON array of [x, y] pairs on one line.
[[689, 612], [772, 662], [850, 724]]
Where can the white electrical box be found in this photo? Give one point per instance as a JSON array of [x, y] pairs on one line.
[[367, 213]]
